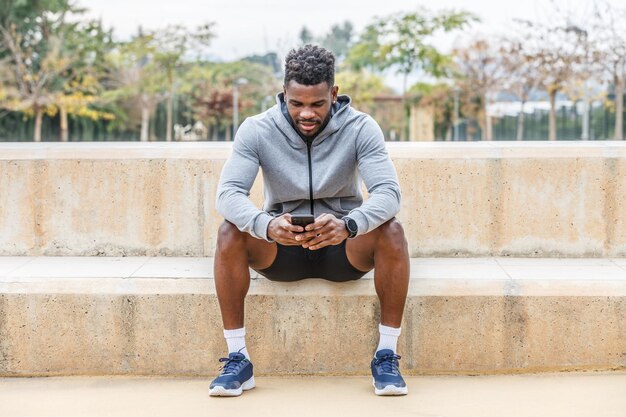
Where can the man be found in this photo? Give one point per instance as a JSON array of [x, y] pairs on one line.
[[313, 149]]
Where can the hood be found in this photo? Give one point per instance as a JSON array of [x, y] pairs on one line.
[[337, 120]]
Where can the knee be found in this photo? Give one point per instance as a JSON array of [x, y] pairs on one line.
[[392, 236], [228, 235]]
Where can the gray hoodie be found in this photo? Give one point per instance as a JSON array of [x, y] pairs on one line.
[[349, 148]]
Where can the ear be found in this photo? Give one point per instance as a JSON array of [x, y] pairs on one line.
[[334, 91]]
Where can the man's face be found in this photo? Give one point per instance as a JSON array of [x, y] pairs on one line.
[[309, 105]]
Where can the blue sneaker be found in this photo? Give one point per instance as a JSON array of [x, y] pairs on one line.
[[387, 378], [235, 378]]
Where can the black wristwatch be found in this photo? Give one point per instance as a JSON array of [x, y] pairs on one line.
[[351, 226]]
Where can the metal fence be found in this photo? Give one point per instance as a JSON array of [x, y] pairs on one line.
[[17, 127]]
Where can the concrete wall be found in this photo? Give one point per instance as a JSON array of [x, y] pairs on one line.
[[172, 327], [459, 199]]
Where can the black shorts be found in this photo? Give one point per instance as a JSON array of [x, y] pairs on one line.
[[294, 263]]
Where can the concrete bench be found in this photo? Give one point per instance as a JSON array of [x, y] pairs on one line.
[[160, 316], [69, 307], [539, 199]]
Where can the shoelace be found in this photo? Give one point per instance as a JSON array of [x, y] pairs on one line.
[[388, 363], [231, 365]]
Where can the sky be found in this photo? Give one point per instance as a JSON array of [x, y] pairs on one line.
[[246, 27]]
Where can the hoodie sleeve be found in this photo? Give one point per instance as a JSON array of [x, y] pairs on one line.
[[379, 175], [238, 175]]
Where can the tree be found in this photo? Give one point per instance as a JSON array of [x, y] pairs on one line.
[[582, 86], [172, 44], [339, 39], [481, 71], [88, 43], [557, 50], [607, 29], [32, 36], [521, 72], [269, 59], [134, 75], [403, 42], [441, 97], [363, 87], [305, 36], [211, 89]]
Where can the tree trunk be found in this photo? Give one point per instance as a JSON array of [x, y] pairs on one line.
[[520, 122], [487, 131], [170, 111], [145, 123], [552, 119], [619, 102], [170, 105], [38, 122], [405, 125], [584, 134], [64, 129]]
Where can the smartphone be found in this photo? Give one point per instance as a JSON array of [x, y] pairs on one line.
[[302, 219]]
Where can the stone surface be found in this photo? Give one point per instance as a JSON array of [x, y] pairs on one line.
[[545, 199], [498, 317]]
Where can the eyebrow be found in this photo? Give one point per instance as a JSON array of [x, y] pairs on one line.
[[291, 100]]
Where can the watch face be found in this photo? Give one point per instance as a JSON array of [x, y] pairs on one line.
[[352, 227]]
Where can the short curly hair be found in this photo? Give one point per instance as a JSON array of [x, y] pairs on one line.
[[310, 65]]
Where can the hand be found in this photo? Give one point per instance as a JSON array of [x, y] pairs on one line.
[[326, 230], [281, 230]]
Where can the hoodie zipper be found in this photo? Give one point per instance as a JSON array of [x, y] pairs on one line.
[[308, 147]]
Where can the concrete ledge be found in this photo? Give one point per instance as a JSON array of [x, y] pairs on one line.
[[562, 199], [159, 316]]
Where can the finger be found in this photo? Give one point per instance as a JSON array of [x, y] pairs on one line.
[[288, 240], [290, 243], [320, 221], [304, 237], [294, 229], [308, 235], [315, 241], [327, 242], [287, 234], [327, 230]]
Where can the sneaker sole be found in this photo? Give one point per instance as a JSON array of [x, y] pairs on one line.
[[220, 391], [390, 390]]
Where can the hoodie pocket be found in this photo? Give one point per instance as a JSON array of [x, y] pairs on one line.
[[348, 204]]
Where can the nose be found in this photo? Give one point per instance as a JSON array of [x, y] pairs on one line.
[[307, 113]]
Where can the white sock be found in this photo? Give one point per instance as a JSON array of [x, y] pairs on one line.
[[388, 338], [236, 341]]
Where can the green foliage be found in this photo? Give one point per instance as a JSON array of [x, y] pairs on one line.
[[269, 59], [210, 86], [401, 41], [339, 39], [440, 97], [362, 87], [305, 36]]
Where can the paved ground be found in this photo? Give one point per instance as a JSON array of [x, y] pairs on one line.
[[545, 395]]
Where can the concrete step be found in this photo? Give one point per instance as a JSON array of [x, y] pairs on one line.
[[159, 316], [555, 395]]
